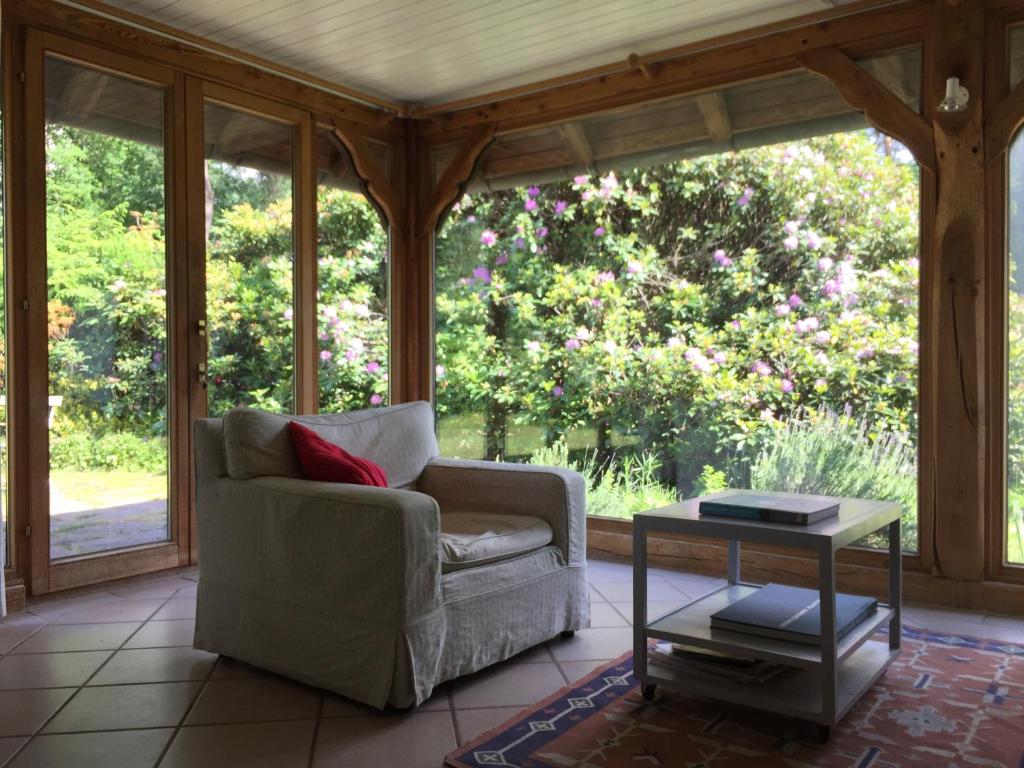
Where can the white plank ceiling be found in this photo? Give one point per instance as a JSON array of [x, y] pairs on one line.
[[433, 51]]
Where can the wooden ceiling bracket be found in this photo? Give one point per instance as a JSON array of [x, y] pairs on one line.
[[455, 176], [881, 107], [575, 139], [715, 111], [377, 184], [1002, 123]]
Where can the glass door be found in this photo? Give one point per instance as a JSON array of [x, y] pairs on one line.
[[106, 309]]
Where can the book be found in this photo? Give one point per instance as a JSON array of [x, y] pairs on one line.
[[772, 508], [740, 670], [790, 613]]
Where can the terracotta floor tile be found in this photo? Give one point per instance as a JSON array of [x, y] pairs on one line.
[[178, 608], [338, 706], [597, 644], [163, 634], [114, 609], [22, 713], [78, 637], [8, 747], [657, 589], [247, 745], [475, 722], [507, 685], [11, 635], [415, 740], [120, 707], [155, 665], [261, 698], [49, 670], [232, 669], [605, 615], [133, 749]]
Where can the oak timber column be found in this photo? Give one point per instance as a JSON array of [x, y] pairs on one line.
[[956, 49]]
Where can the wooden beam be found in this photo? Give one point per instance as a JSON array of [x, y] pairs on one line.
[[1002, 122], [575, 138], [377, 183], [455, 176], [715, 111], [881, 107]]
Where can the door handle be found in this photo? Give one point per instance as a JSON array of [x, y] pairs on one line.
[[201, 370]]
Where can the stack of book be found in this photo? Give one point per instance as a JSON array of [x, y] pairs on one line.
[[737, 668]]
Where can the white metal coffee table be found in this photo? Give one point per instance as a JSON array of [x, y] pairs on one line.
[[827, 680]]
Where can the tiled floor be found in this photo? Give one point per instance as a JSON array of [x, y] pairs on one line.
[[107, 677]]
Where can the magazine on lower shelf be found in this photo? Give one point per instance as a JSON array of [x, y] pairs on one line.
[[740, 669]]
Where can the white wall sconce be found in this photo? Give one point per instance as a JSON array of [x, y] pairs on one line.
[[956, 97]]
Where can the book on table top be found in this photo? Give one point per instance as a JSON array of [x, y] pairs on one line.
[[790, 613], [770, 507], [708, 662]]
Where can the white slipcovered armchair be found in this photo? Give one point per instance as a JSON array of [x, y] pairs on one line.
[[380, 594]]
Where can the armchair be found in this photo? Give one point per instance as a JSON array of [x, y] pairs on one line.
[[380, 594]]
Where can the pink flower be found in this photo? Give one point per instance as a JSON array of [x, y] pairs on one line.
[[820, 384], [782, 310], [557, 391], [913, 262], [791, 227], [542, 232], [813, 240], [822, 337], [376, 399], [605, 277], [560, 207], [530, 204], [865, 354], [831, 288], [609, 182], [501, 258], [761, 368], [532, 346], [483, 274], [722, 259], [325, 355], [719, 357], [372, 367], [744, 199], [471, 219], [824, 264], [790, 243], [533, 191], [633, 267], [439, 371], [287, 314], [786, 385], [350, 354], [488, 238], [599, 232], [795, 300], [572, 344], [735, 324], [519, 243], [580, 180]]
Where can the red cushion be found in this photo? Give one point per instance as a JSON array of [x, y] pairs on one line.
[[325, 461]]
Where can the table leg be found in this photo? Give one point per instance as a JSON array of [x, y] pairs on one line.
[[895, 585], [639, 601], [734, 562], [827, 606]]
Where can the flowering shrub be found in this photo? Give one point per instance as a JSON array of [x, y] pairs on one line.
[[686, 310]]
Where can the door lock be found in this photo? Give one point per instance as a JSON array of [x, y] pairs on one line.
[[201, 369]]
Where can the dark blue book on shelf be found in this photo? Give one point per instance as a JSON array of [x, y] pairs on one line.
[[790, 613], [771, 507]]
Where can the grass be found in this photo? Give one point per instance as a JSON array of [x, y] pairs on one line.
[[99, 489]]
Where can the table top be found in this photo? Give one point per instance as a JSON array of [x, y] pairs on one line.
[[856, 519]]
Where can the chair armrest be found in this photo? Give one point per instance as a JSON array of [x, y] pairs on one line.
[[554, 494], [365, 553]]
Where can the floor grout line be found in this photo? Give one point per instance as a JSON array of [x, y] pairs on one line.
[[188, 711], [316, 729]]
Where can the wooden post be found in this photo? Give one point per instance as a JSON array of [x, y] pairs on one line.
[[958, 292]]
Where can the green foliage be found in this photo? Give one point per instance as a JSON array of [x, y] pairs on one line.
[[82, 450], [837, 455], [711, 480], [613, 489]]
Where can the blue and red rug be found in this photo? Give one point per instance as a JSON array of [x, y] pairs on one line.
[[946, 701]]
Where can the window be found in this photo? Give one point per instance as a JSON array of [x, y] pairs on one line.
[[352, 286], [680, 317], [1014, 546]]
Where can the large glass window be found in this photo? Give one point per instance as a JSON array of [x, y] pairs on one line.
[[352, 286], [250, 257], [107, 310], [1014, 548], [671, 327]]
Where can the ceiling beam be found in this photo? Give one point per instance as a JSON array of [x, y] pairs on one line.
[[575, 138], [716, 115], [891, 72]]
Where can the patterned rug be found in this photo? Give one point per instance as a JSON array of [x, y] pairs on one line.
[[946, 701]]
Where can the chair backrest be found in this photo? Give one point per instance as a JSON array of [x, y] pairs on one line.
[[255, 443]]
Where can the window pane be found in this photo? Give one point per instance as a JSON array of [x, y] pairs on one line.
[[352, 290], [107, 312], [249, 261], [743, 319], [1015, 359]]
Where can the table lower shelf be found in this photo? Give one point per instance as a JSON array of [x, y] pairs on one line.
[[796, 692]]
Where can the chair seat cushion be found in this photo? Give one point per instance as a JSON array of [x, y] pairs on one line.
[[469, 539]]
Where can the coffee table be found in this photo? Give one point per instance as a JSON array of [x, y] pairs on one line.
[[827, 679]]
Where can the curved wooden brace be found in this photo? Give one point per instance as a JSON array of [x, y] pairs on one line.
[[455, 176], [881, 107], [1002, 123], [377, 184]]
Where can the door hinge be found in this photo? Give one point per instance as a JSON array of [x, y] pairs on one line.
[[24, 304], [28, 530], [21, 77]]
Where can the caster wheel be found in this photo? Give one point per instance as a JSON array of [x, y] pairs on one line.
[[567, 634], [647, 692]]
